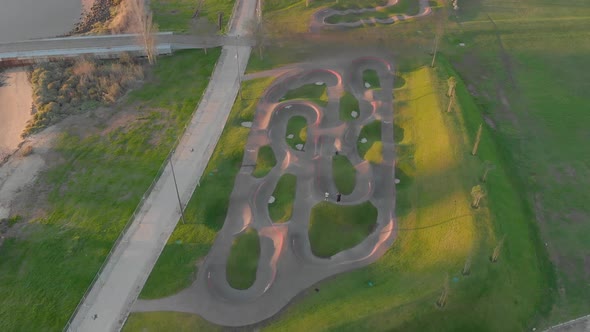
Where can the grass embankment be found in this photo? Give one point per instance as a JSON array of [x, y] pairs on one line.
[[243, 260], [167, 321], [311, 92], [176, 15], [334, 228], [284, 194], [297, 126], [370, 76], [93, 192], [372, 149], [206, 210], [408, 7], [437, 231], [536, 97], [349, 104], [265, 161], [344, 174]]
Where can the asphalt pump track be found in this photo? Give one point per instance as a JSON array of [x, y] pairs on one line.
[[287, 265]]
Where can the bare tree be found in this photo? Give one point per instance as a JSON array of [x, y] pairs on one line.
[[467, 266], [452, 82], [488, 166], [497, 250], [442, 299], [440, 29], [451, 101], [259, 34], [477, 193], [477, 140], [142, 24]]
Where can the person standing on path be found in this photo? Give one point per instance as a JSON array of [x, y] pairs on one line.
[[326, 195]]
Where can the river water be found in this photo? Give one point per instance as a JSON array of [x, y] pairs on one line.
[[32, 19], [23, 20]]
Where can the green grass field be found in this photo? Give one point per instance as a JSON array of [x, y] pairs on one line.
[[535, 95], [167, 321], [284, 194], [243, 260], [334, 228], [372, 149], [296, 126], [265, 161], [44, 274], [370, 76], [206, 210], [348, 104], [176, 15], [344, 174], [311, 92]]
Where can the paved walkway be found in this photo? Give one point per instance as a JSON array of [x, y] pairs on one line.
[[581, 324], [287, 265], [109, 301], [108, 45]]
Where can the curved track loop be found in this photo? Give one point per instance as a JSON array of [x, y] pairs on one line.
[[318, 20], [287, 265]]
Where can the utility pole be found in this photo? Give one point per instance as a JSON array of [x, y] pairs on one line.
[[259, 11], [177, 194]]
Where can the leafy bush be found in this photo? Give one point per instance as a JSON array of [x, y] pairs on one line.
[[66, 87]]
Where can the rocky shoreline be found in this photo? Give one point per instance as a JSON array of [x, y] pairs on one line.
[[100, 12]]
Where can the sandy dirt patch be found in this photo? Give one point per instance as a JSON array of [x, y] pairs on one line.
[[15, 110]]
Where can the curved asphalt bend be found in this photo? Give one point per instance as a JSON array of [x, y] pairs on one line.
[[287, 265], [110, 298], [318, 20]]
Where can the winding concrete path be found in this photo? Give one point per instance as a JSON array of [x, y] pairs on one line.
[[319, 18], [108, 303], [287, 265]]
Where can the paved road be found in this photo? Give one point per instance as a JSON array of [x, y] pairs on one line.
[[287, 265], [108, 45], [111, 297], [581, 324]]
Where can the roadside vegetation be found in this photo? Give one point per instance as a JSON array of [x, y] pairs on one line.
[[177, 15], [334, 228], [265, 161], [282, 208], [73, 86], [205, 213], [84, 202], [243, 260]]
